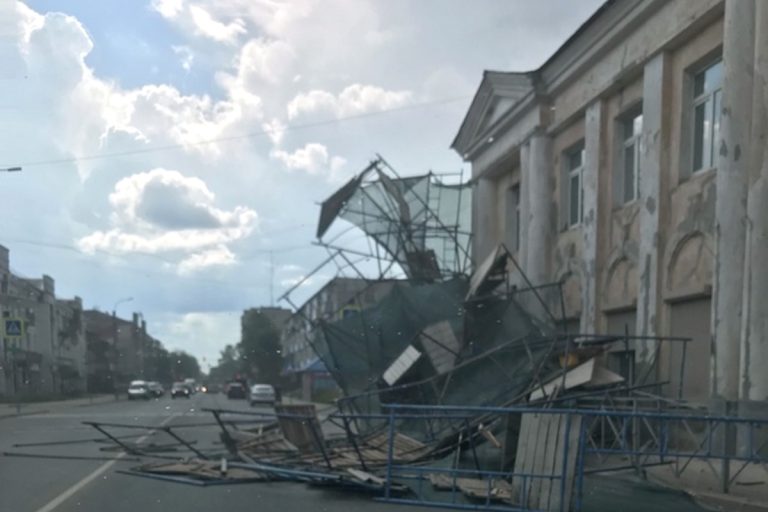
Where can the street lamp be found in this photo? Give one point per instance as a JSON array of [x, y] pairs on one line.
[[121, 301], [10, 169]]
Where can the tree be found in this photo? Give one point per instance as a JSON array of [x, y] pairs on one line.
[[259, 348], [227, 367], [184, 366]]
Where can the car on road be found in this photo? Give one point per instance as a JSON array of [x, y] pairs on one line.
[[139, 389], [156, 389], [261, 394], [236, 390], [180, 390]]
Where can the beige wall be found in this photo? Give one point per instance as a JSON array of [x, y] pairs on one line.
[[691, 32]]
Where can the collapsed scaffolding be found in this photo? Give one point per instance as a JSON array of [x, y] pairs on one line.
[[459, 389]]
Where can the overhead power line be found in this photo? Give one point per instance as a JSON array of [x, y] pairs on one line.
[[231, 138]]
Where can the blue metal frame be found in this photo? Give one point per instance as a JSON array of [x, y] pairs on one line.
[[659, 423]]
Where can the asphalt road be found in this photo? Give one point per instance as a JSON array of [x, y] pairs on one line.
[[46, 484]]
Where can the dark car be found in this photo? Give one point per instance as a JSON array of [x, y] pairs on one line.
[[237, 390], [180, 390]]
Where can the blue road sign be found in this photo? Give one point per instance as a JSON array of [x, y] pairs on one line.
[[13, 327]]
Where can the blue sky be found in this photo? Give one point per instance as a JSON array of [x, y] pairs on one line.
[[229, 89]]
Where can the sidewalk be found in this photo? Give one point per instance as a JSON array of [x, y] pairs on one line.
[[11, 410], [748, 491]]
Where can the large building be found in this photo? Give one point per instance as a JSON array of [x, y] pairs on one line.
[[48, 358], [119, 350], [303, 368], [632, 167]]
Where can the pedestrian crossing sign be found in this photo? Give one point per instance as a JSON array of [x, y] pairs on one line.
[[13, 327]]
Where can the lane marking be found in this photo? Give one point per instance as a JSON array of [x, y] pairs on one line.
[[64, 496]]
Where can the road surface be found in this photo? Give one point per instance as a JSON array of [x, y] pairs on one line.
[[63, 485]]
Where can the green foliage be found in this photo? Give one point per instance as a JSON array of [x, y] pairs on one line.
[[227, 367], [184, 366], [259, 349]]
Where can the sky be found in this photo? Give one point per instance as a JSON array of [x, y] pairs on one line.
[[174, 152]]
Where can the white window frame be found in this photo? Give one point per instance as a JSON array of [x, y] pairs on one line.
[[569, 174], [627, 121], [714, 130]]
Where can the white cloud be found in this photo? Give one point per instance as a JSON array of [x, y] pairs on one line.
[[203, 334], [265, 61], [219, 255], [312, 158], [209, 27], [355, 99], [167, 8], [275, 130], [164, 211], [186, 56]]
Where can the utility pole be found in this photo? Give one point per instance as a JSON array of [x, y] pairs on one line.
[[271, 278]]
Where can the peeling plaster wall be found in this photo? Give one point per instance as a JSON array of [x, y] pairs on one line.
[[655, 254], [630, 52]]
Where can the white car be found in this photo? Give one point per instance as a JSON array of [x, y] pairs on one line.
[[139, 389], [262, 393]]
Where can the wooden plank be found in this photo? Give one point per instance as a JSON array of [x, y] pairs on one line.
[[299, 430], [531, 450], [521, 454], [579, 376], [538, 459], [573, 450], [550, 460]]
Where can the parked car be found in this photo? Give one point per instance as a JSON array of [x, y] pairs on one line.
[[180, 390], [156, 389], [236, 390], [262, 393], [138, 389]]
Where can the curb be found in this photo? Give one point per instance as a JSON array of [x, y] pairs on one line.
[[18, 415]]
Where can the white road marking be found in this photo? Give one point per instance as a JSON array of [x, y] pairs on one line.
[[64, 496]]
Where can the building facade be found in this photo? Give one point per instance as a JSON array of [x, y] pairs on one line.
[[631, 167], [302, 367], [48, 358], [119, 350]]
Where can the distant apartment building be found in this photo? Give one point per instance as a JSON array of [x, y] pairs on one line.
[[119, 350], [277, 316], [303, 368], [49, 355], [631, 167]]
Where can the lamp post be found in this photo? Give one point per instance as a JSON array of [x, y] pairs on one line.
[[10, 169]]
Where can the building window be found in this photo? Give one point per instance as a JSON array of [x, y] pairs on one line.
[[631, 126], [513, 218], [574, 167], [707, 98]]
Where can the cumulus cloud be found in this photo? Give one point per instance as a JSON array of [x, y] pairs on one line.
[[263, 60], [312, 158], [87, 114], [219, 255], [164, 211], [167, 8], [209, 27], [353, 100]]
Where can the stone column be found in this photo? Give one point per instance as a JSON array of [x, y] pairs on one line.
[[754, 356], [525, 166], [483, 219], [731, 199], [652, 156], [540, 173], [592, 150]]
